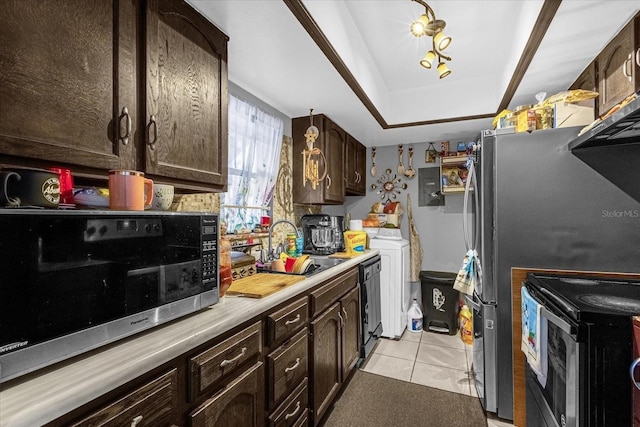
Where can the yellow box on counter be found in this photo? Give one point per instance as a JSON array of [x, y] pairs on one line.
[[566, 115]]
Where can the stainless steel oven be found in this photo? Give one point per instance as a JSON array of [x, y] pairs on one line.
[[74, 280], [588, 351]]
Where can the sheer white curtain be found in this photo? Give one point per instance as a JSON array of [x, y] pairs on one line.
[[255, 139]]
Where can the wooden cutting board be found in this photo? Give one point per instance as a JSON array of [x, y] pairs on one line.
[[261, 285]]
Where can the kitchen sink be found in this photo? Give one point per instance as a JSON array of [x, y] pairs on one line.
[[320, 264], [326, 261]]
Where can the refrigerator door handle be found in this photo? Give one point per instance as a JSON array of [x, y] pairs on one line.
[[471, 302]]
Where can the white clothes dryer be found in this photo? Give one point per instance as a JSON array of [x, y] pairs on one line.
[[395, 287]]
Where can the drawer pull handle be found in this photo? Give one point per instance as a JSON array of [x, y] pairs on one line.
[[226, 362], [136, 421], [293, 367], [295, 411], [294, 320]]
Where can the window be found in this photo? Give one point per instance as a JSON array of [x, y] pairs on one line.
[[255, 139]]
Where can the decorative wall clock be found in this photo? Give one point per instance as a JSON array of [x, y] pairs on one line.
[[388, 185]]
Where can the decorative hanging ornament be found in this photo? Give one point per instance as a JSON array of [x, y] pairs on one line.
[[311, 157], [389, 186], [431, 154]]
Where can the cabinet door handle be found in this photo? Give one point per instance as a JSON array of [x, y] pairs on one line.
[[346, 316], [136, 421], [127, 126], [638, 57], [295, 411], [295, 365], [294, 320], [153, 126], [631, 369], [328, 182], [227, 362], [341, 320], [628, 67]]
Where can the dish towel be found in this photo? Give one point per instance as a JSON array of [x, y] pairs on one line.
[[415, 249], [534, 336]]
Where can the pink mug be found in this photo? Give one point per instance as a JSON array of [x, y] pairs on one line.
[[129, 190]]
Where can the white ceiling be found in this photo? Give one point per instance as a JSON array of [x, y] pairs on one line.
[[273, 57]]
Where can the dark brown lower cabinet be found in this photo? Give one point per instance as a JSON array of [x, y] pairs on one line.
[[294, 410], [350, 331], [153, 404], [334, 349], [326, 366], [239, 404]]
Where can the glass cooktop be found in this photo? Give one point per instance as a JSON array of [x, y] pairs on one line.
[[590, 298]]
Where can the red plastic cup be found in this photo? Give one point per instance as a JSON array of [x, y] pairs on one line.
[[66, 184], [288, 264]]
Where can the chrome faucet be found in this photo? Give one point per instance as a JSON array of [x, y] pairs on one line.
[[270, 254]]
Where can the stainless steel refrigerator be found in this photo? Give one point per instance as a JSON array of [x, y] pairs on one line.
[[539, 206]]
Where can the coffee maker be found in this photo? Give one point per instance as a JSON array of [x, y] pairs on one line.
[[322, 234]]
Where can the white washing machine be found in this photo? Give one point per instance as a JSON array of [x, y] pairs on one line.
[[395, 287]]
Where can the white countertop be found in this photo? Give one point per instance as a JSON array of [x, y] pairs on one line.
[[52, 392]]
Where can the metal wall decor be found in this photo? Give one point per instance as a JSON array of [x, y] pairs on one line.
[[311, 156], [430, 154], [389, 186]]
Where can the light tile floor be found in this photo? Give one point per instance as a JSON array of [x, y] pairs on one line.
[[431, 359]]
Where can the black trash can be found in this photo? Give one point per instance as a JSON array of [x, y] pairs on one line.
[[439, 301]]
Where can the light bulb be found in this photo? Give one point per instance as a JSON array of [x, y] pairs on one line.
[[428, 59]]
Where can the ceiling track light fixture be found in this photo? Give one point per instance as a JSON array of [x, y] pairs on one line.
[[428, 25]]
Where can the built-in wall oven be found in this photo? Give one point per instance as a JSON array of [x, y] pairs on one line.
[[588, 351], [73, 280], [370, 310]]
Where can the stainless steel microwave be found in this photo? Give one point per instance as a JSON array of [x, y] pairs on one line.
[[72, 280]]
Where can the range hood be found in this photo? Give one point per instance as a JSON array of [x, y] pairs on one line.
[[622, 127], [612, 148]]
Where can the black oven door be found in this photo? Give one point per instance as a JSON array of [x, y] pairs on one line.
[[557, 401]]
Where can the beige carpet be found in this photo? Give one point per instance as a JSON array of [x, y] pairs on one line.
[[372, 400]]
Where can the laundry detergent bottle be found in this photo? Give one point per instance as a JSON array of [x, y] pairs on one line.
[[415, 317]]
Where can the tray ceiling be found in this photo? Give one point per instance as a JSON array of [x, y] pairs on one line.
[[357, 62]]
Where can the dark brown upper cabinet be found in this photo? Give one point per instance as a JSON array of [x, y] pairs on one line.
[[186, 95], [617, 70], [112, 84], [69, 72], [331, 141], [355, 165]]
